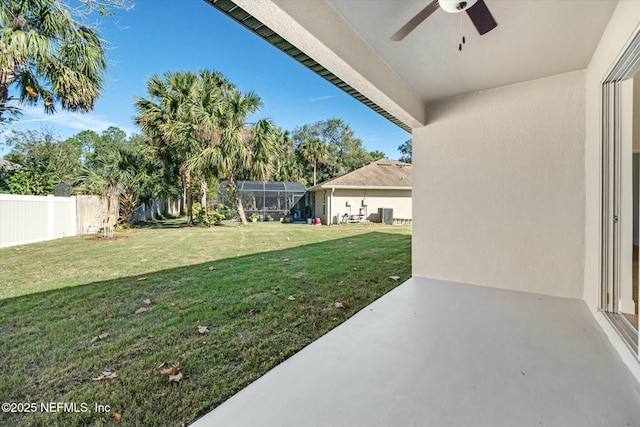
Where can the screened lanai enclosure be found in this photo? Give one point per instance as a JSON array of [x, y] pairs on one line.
[[271, 199]]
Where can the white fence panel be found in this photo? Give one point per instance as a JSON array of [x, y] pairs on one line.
[[29, 219]]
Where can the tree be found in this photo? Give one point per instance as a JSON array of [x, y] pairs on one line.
[[168, 118], [27, 182], [89, 143], [286, 167], [103, 176], [314, 151], [406, 149], [346, 152], [207, 108], [110, 138], [126, 174], [377, 155], [104, 7], [236, 149], [197, 122], [85, 142], [49, 57], [44, 161]]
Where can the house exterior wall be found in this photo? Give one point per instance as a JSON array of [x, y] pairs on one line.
[[336, 203], [398, 200], [321, 206], [621, 27], [500, 188]]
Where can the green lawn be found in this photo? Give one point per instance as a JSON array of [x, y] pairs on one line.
[[57, 296]]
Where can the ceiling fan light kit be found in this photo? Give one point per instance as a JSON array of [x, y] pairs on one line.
[[456, 6], [477, 11]]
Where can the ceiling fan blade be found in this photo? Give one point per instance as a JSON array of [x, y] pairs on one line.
[[415, 21], [481, 17]]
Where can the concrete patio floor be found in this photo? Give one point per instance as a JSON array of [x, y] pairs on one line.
[[436, 353]]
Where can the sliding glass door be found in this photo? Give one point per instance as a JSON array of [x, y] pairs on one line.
[[621, 194]]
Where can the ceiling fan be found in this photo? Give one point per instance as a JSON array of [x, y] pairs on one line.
[[476, 9]]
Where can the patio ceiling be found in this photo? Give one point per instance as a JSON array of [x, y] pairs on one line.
[[533, 39], [347, 42]]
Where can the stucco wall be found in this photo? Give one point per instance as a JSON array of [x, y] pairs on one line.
[[398, 200], [500, 188], [320, 206], [620, 29]]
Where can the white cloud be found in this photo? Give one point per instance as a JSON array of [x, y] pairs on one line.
[[322, 98], [66, 122]]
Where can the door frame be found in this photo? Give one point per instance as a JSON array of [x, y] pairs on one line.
[[615, 126]]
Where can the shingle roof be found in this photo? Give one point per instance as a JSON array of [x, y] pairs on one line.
[[381, 173], [10, 166]]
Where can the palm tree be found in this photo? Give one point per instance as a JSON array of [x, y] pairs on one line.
[[125, 175], [206, 112], [236, 150], [287, 167], [314, 151], [49, 57], [167, 117], [106, 176]]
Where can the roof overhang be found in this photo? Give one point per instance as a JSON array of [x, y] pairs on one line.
[[358, 187], [300, 30], [347, 42]]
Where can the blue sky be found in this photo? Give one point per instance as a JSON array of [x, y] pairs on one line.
[[171, 35]]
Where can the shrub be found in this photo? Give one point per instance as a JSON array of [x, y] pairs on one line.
[[227, 211], [206, 217]]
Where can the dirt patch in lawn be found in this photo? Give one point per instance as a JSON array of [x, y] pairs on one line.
[[107, 239]]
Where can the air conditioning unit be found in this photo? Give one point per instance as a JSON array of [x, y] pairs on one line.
[[385, 215]]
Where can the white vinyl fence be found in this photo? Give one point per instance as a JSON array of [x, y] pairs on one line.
[[29, 219]]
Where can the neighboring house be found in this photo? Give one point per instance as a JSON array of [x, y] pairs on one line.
[[9, 166], [362, 192], [523, 141]]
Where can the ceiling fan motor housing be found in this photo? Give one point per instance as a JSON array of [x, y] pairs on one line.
[[456, 6]]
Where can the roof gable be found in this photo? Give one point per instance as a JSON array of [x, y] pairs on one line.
[[381, 173]]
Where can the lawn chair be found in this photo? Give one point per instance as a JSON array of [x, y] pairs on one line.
[[107, 228]]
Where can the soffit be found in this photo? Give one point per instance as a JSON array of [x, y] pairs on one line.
[[347, 42], [534, 39]]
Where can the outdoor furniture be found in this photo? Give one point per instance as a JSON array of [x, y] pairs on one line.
[[349, 218]]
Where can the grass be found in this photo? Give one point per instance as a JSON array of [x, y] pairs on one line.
[[57, 296]]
